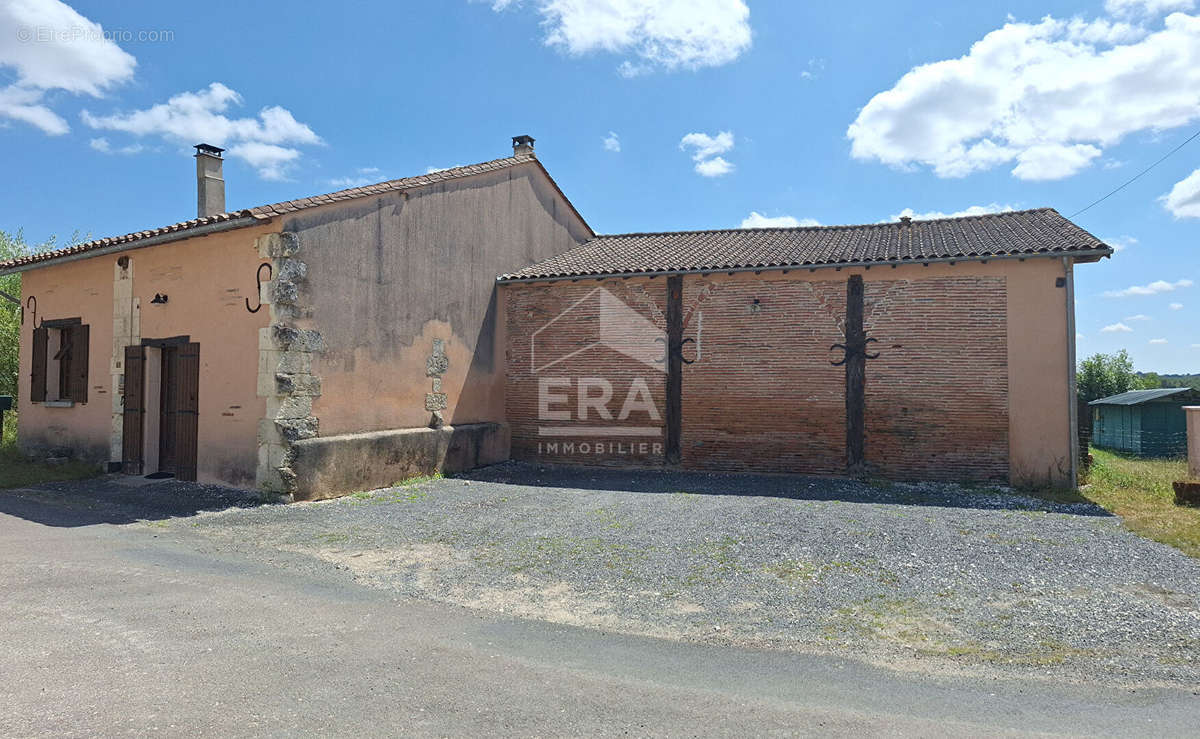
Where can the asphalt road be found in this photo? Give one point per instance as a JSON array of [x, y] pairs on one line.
[[121, 629]]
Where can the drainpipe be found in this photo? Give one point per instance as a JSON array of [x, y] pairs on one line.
[[1072, 398]]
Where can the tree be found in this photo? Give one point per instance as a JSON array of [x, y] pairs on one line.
[[11, 245], [1102, 375]]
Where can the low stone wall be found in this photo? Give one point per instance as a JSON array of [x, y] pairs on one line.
[[331, 466]]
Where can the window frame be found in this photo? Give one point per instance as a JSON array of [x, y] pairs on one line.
[[70, 337]]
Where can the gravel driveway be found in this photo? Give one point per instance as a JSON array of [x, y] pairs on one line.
[[932, 578]]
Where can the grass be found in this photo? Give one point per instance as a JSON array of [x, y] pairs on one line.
[[1139, 491], [401, 491], [17, 470]]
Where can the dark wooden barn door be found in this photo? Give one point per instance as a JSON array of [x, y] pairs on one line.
[[185, 431], [135, 409], [168, 402]]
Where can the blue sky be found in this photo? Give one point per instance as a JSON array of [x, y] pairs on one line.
[[651, 114]]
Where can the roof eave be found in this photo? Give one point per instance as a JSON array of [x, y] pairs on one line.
[[1090, 255], [184, 233]]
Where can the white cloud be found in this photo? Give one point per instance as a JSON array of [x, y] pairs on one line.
[[1029, 93], [49, 46], [815, 67], [758, 220], [1078, 336], [1154, 288], [431, 170], [266, 142], [612, 142], [1121, 243], [1138, 317], [931, 215], [1116, 328], [1184, 199], [1176, 306], [102, 145], [705, 151], [668, 34], [1126, 8], [271, 160], [1158, 341], [714, 167], [362, 176], [705, 146], [1053, 161]]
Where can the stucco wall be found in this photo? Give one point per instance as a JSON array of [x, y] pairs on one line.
[[83, 289], [206, 280], [972, 382], [389, 275]]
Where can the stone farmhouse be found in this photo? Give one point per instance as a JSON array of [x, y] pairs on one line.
[[464, 317]]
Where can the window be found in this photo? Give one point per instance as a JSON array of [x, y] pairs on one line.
[[60, 362]]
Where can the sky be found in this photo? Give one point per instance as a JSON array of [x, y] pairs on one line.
[[652, 115]]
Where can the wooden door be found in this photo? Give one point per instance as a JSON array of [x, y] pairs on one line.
[[167, 409], [135, 409], [186, 380]]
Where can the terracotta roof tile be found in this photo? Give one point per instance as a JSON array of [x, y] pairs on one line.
[[1036, 232]]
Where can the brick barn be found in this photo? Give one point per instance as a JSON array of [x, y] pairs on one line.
[[341, 342], [939, 350]]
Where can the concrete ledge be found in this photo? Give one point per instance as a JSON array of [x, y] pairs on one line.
[[331, 466]]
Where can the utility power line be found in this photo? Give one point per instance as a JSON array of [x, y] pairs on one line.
[[1131, 180]]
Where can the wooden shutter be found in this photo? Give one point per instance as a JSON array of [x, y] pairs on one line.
[[135, 410], [187, 411], [79, 363], [37, 384]]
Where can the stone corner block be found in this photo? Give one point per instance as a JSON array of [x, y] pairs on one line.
[[435, 401]]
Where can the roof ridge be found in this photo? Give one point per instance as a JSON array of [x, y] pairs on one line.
[[831, 227], [270, 210], [349, 193], [1007, 234]]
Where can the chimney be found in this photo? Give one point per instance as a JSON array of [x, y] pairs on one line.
[[522, 145], [905, 220], [210, 185]]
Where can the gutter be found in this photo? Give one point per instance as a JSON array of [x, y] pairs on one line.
[[1072, 390], [1105, 252], [180, 235]]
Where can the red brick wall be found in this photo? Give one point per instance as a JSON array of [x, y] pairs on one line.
[[568, 332], [761, 393], [937, 397]]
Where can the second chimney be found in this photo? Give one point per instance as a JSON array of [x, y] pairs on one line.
[[522, 145], [210, 184]]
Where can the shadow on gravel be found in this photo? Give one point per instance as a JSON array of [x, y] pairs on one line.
[[118, 499], [795, 487]]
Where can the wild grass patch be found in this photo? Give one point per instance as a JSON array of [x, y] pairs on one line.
[[1139, 491], [18, 470]]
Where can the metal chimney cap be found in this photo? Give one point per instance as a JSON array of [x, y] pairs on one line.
[[208, 149], [906, 220], [523, 140]]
